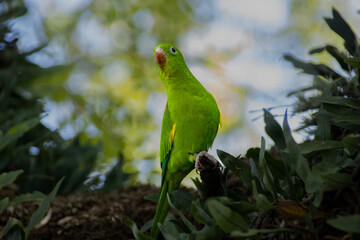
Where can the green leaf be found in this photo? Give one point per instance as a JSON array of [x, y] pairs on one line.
[[226, 218], [9, 177], [182, 200], [339, 112], [313, 69], [351, 142], [342, 28], [347, 102], [268, 179], [261, 200], [262, 153], [314, 146], [147, 225], [323, 131], [199, 185], [208, 233], [338, 180], [244, 207], [40, 212], [273, 129], [17, 131], [169, 231], [187, 222], [346, 223], [35, 196], [237, 166], [137, 234], [333, 51], [355, 62], [4, 203], [317, 171], [254, 232], [341, 117], [349, 119], [13, 230], [153, 197], [256, 174], [276, 167], [200, 215], [299, 163]]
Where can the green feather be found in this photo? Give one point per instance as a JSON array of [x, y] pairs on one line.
[[190, 123]]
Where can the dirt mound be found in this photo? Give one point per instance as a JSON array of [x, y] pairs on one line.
[[92, 215]]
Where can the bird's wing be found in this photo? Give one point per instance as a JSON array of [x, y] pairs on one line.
[[166, 142]]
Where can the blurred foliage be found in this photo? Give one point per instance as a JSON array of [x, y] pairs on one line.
[[109, 44], [25, 143], [292, 191]]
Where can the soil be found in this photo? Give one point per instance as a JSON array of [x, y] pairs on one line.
[[93, 215]]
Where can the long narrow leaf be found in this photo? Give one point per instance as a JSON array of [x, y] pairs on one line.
[[342, 28], [308, 147], [355, 62], [4, 203], [138, 235], [261, 200], [34, 196], [8, 177], [333, 51], [237, 166], [17, 131], [268, 179], [347, 102], [273, 129], [185, 220], [299, 163], [200, 215], [13, 230], [169, 231], [312, 68], [346, 223], [40, 212], [254, 232], [255, 173], [225, 217]]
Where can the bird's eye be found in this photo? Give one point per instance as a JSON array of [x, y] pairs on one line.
[[172, 50]]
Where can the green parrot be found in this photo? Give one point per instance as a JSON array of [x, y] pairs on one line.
[[189, 126]]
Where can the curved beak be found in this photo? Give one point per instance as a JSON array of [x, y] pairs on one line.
[[160, 57]]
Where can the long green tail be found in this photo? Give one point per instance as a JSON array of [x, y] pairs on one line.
[[163, 205]]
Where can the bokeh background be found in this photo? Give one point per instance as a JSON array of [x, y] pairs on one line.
[[107, 90]]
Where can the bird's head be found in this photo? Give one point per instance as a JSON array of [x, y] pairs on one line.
[[169, 59]]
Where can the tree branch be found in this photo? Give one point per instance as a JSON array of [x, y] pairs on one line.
[[210, 171]]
